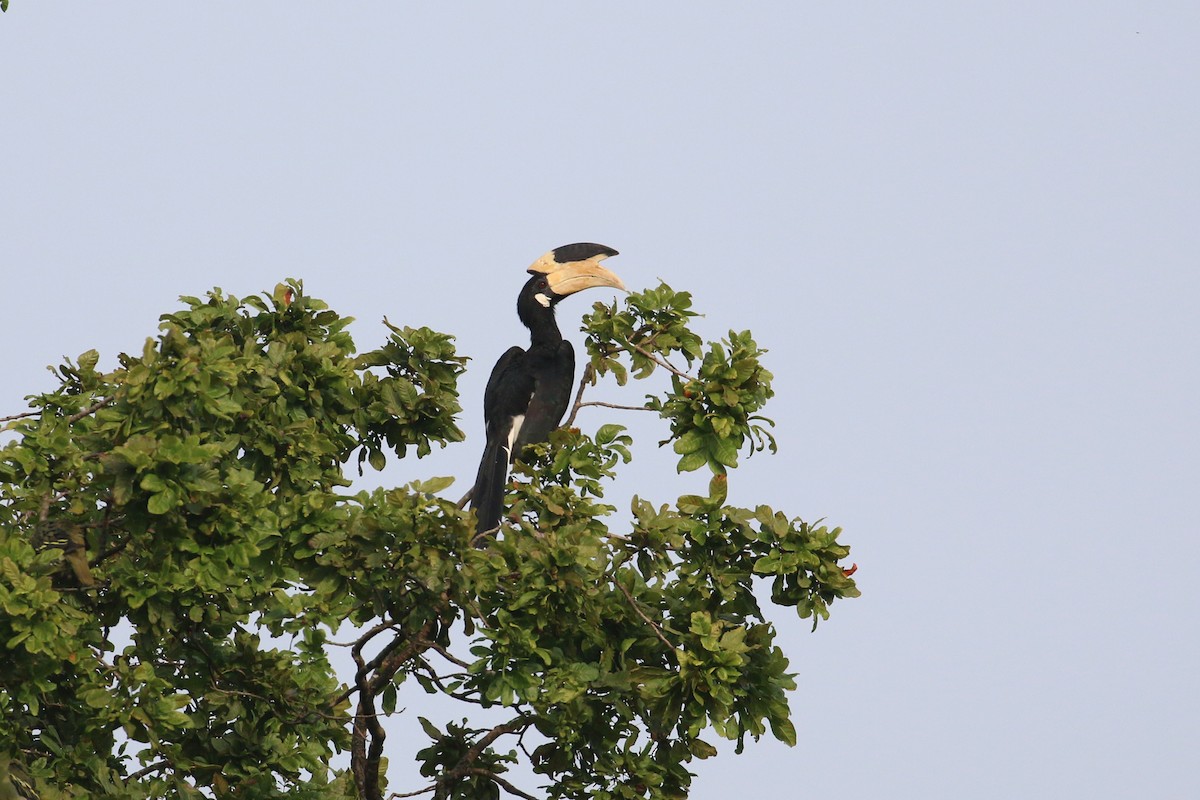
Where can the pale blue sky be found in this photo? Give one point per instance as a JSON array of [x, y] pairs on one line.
[[967, 233]]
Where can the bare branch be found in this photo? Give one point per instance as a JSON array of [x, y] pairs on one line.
[[654, 625], [479, 537], [466, 498], [109, 553], [141, 773], [367, 734], [90, 410], [588, 378], [614, 405], [662, 362], [505, 785], [512, 726], [396, 795], [446, 654], [439, 681], [356, 648], [521, 744], [464, 766]]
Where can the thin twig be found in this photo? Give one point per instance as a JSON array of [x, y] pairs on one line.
[[588, 378], [662, 362], [654, 625], [475, 751], [484, 535], [521, 744], [446, 654], [430, 788], [466, 498], [109, 553], [141, 773], [614, 405], [508, 787], [91, 410], [438, 681]]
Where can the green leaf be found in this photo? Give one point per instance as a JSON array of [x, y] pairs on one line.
[[162, 502], [387, 698], [692, 461], [430, 729], [153, 483], [607, 433], [87, 361], [784, 731], [690, 442], [718, 489], [723, 451], [768, 564], [433, 485]]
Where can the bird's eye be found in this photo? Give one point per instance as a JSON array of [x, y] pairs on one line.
[[543, 283]]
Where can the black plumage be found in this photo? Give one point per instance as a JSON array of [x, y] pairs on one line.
[[529, 389]]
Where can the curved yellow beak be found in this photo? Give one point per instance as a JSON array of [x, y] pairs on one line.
[[581, 275], [573, 268]]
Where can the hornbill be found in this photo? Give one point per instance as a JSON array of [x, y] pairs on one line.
[[529, 390]]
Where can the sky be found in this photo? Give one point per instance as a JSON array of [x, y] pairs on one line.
[[966, 232]]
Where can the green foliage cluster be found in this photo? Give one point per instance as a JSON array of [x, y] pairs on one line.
[[178, 541], [712, 414]]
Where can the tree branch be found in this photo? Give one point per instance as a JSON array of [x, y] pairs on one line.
[[438, 680], [505, 785], [141, 773], [356, 648], [446, 654], [662, 362], [512, 726], [479, 537], [588, 377], [90, 410], [464, 766], [367, 734], [466, 498], [614, 405], [654, 625]]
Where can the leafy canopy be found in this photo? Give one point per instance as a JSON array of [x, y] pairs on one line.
[[178, 541]]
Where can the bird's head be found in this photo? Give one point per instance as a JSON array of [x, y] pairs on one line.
[[569, 269]]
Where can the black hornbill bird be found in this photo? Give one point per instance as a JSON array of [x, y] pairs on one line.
[[529, 390]]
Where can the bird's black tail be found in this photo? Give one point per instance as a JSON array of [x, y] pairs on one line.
[[488, 497]]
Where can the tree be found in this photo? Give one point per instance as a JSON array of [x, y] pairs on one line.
[[178, 543]]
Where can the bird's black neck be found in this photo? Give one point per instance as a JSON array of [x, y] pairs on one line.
[[543, 330]]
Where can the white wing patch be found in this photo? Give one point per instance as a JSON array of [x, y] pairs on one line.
[[513, 433]]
